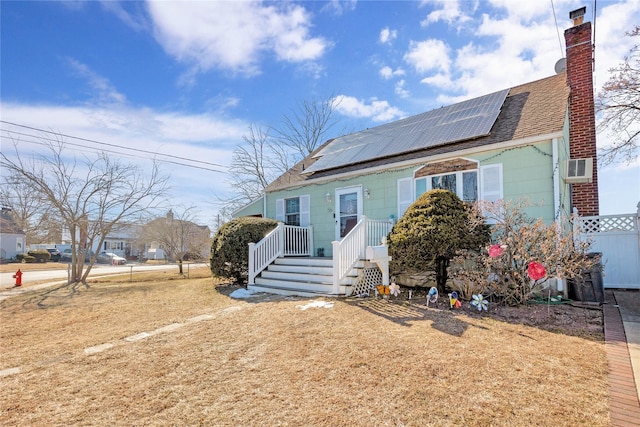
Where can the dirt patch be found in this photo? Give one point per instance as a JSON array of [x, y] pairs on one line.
[[182, 352]]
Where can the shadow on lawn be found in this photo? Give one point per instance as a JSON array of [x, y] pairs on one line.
[[405, 313], [56, 295], [562, 319]]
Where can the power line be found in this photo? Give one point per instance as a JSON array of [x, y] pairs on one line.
[[557, 29], [91, 149], [112, 145]]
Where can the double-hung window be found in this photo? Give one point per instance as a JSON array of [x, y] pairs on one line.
[[294, 210], [463, 184], [469, 182]]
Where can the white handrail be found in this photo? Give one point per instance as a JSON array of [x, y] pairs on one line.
[[348, 251], [298, 241], [264, 252], [377, 230], [284, 240]]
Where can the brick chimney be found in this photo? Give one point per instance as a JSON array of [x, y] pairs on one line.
[[582, 121]]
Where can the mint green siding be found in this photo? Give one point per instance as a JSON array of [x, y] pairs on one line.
[[254, 208], [527, 172]]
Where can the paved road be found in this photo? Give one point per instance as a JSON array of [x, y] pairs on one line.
[[7, 280]]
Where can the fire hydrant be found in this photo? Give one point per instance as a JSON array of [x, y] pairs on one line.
[[18, 277]]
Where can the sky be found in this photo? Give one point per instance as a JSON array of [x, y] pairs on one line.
[[183, 81]]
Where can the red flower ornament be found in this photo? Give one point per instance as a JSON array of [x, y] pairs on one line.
[[536, 271], [495, 251]]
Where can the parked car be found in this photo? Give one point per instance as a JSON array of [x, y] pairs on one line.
[[55, 254], [110, 258], [65, 256]]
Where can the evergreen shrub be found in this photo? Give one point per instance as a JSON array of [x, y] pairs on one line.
[[230, 246], [430, 233]]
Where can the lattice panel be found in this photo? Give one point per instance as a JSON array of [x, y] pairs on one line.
[[608, 224], [368, 278]]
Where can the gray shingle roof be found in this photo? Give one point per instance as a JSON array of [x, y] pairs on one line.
[[8, 224]]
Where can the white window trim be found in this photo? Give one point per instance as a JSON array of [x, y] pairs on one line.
[[403, 201], [305, 209]]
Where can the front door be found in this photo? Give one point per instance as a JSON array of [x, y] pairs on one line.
[[348, 210]]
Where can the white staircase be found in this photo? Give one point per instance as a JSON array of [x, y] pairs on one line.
[[303, 277]]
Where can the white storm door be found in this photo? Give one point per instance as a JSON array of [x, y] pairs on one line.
[[348, 210]]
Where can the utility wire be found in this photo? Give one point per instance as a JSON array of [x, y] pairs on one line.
[[91, 149], [112, 145], [557, 29]]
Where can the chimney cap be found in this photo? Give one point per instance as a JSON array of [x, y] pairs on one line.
[[578, 15]]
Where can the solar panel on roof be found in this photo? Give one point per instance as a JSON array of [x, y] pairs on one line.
[[465, 120]]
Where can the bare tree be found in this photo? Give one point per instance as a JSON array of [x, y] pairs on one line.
[[305, 128], [178, 235], [619, 105], [32, 213], [89, 197], [266, 154]]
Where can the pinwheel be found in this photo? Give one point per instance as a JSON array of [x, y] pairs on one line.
[[432, 296], [394, 289], [480, 302], [454, 302]]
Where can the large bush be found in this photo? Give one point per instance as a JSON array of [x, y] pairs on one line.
[[432, 231], [518, 241], [230, 246]]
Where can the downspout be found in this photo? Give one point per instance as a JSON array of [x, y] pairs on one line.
[[556, 201], [556, 180], [264, 204]]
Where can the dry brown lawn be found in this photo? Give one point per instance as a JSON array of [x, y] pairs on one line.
[[164, 350]]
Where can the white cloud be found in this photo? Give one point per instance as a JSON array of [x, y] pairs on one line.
[[204, 137], [136, 20], [387, 35], [449, 12], [400, 89], [102, 89], [387, 72], [428, 55], [379, 111], [338, 7], [235, 36]]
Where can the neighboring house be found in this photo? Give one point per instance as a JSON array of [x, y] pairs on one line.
[[195, 239], [535, 140], [12, 238], [122, 241]]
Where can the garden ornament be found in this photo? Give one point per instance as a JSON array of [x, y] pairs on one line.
[[454, 302], [495, 251], [432, 296], [479, 302], [536, 271], [394, 289]]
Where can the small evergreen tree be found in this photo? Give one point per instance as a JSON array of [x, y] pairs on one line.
[[432, 231], [230, 246]]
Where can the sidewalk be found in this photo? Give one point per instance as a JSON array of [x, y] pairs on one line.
[[622, 340]]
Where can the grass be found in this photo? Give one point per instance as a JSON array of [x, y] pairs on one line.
[[208, 359]]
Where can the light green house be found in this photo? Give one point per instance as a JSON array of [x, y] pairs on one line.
[[521, 142]]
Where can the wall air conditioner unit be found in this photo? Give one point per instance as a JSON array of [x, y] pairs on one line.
[[579, 171]]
